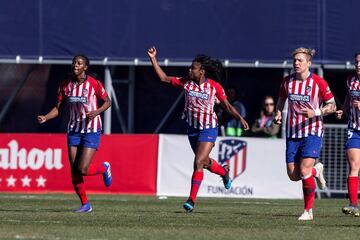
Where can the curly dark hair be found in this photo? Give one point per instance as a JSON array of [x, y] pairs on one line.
[[84, 57], [213, 67]]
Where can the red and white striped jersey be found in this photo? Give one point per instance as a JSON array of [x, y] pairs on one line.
[[310, 93], [199, 101], [82, 98], [353, 87]]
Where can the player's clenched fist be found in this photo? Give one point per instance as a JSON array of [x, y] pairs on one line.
[[338, 114], [152, 52], [277, 118], [41, 119]]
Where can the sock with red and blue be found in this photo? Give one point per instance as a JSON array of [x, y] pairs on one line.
[[196, 180], [309, 192], [79, 187], [95, 169], [216, 168]]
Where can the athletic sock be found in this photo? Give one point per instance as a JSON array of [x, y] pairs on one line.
[[216, 168], [309, 192], [353, 186], [79, 187], [95, 169], [196, 180], [314, 172]]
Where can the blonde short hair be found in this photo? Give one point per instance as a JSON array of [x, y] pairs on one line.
[[308, 51]]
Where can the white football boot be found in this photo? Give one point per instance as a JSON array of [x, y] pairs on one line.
[[306, 216], [320, 180]]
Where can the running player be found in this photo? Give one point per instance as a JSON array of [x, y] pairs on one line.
[[352, 145], [306, 92], [82, 92], [201, 90]]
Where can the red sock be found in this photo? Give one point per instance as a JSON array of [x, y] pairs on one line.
[[216, 168], [309, 192], [196, 180], [95, 169], [353, 186], [313, 172], [79, 187]]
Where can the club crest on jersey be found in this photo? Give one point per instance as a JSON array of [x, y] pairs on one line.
[[232, 152], [85, 91], [308, 89]]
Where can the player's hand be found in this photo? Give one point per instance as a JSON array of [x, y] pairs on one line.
[[152, 52], [356, 104], [338, 114], [91, 115], [307, 112], [277, 118], [41, 119], [244, 124]]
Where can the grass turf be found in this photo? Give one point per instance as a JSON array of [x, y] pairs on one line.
[[138, 217]]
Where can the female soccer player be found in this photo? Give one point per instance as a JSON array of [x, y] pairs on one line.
[[306, 92], [201, 90], [82, 92], [352, 145]]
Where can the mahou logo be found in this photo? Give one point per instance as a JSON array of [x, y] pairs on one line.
[[15, 158]]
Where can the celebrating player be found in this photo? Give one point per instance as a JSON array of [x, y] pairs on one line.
[[352, 145], [82, 92], [201, 90], [306, 93]]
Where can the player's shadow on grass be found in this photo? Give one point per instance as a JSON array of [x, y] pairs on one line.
[[36, 210], [283, 215]]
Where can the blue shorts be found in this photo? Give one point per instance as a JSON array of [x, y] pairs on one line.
[[88, 140], [353, 140], [201, 135], [299, 148]]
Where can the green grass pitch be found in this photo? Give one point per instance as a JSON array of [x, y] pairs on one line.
[[137, 217]]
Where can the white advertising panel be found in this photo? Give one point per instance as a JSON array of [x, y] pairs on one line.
[[257, 167]]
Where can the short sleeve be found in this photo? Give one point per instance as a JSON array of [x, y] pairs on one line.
[[324, 90], [220, 92], [282, 90], [100, 90], [178, 82]]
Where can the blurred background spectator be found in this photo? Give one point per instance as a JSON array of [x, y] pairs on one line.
[[228, 125], [264, 126]]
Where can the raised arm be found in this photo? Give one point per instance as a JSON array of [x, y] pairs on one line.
[[50, 115], [161, 74], [233, 112]]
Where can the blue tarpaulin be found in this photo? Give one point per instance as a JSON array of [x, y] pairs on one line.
[[239, 30]]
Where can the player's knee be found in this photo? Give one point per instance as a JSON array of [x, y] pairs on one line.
[[293, 177], [293, 174], [200, 162], [304, 172], [83, 170], [354, 165]]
